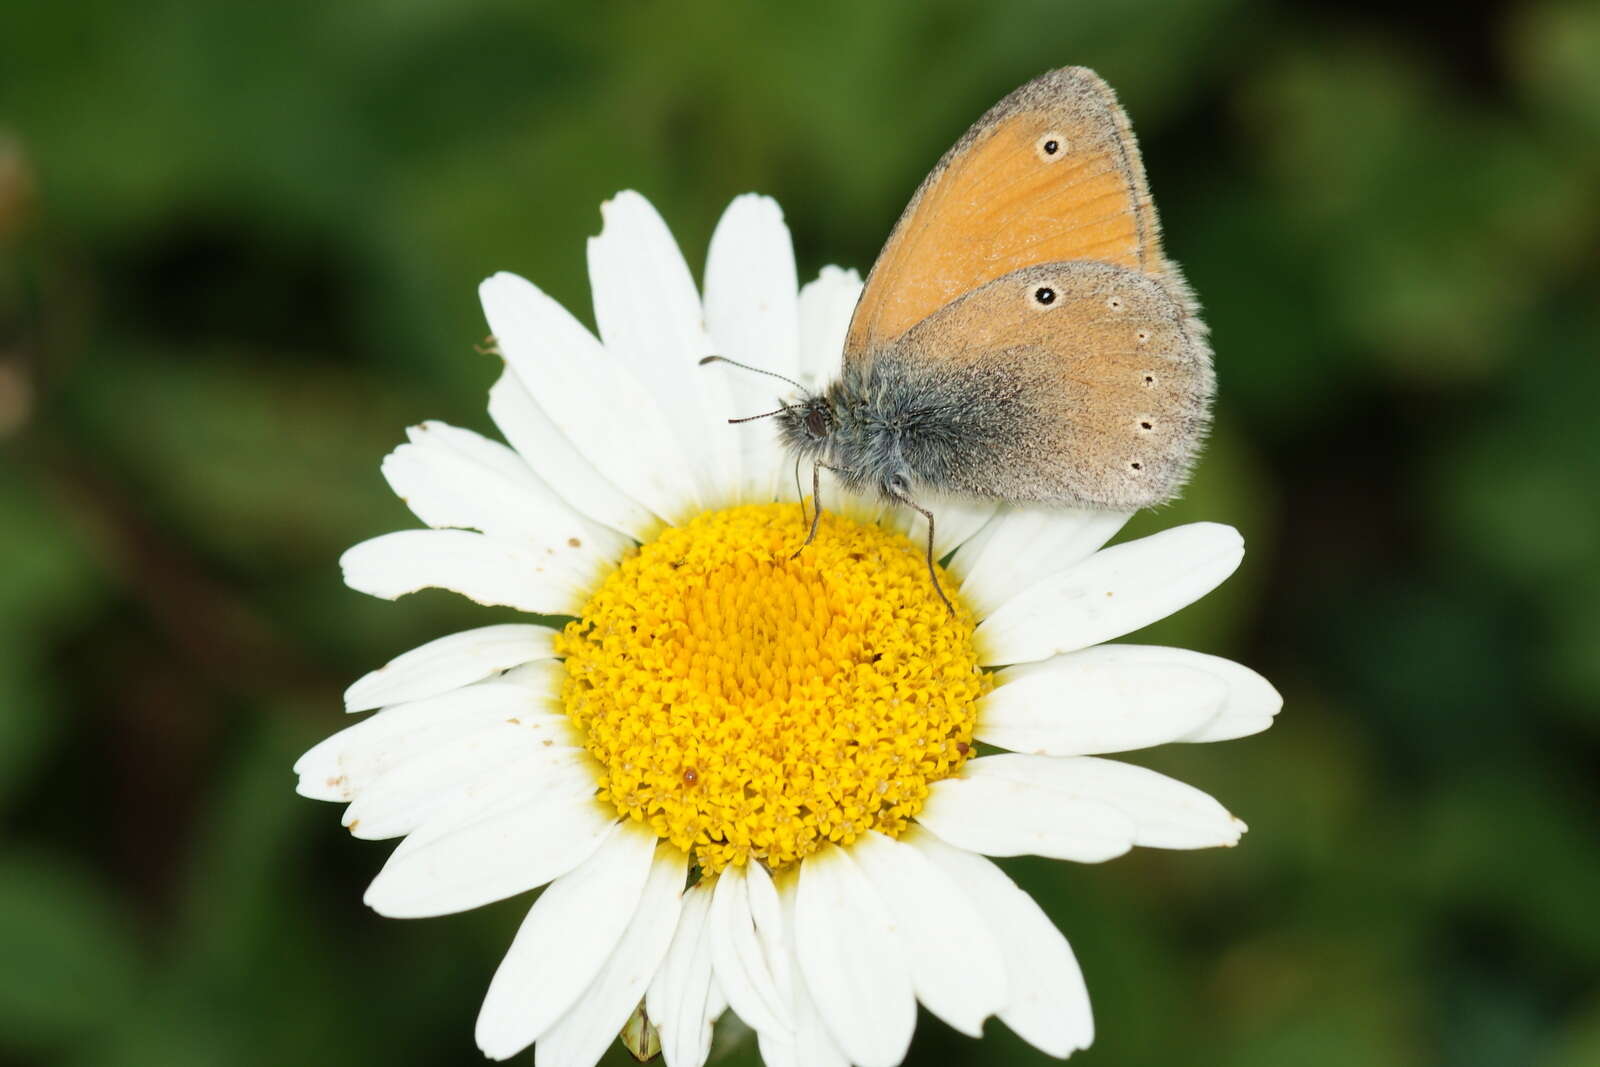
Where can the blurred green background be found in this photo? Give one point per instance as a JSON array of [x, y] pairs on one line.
[[239, 246]]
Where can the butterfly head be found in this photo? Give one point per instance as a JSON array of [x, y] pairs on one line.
[[857, 432], [807, 427]]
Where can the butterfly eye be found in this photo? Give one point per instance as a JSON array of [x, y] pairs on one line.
[[1045, 295], [1051, 146], [817, 422]]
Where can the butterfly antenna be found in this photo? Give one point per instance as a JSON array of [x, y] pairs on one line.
[[758, 370], [763, 415]]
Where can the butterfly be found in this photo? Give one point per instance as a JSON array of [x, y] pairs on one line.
[[1022, 336]]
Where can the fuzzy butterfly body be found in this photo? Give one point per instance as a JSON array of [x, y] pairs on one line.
[[1022, 337]]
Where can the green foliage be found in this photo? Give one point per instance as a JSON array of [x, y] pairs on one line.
[[239, 245]]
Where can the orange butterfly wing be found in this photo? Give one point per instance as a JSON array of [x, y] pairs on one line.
[[1050, 173]]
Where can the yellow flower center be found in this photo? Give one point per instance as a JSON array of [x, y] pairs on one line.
[[745, 705]]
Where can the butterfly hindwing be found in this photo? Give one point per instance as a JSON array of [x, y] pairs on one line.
[[1080, 383]]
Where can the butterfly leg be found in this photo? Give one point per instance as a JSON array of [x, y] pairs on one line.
[[799, 492], [932, 573], [816, 501]]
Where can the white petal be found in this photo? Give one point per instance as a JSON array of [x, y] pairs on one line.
[[680, 1001], [1049, 1006], [1023, 545], [569, 933], [813, 1045], [649, 316], [492, 845], [780, 1047], [446, 443], [1165, 812], [542, 679], [955, 519], [572, 390], [956, 967], [580, 1037], [810, 1045], [715, 1001], [766, 911], [780, 1050], [402, 799], [1249, 703], [745, 972], [571, 473], [1114, 591], [1096, 700], [554, 774], [752, 311], [490, 570], [341, 765], [1002, 817], [851, 961], [455, 478], [1252, 702], [826, 305], [449, 663]]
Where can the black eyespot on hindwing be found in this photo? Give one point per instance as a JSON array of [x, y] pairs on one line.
[[1045, 295]]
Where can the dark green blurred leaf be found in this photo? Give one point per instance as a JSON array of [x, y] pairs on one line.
[[71, 964], [1578, 1043], [259, 460], [1432, 226], [1553, 45], [46, 583], [1485, 833], [1514, 496]]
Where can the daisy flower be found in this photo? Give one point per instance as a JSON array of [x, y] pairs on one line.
[[748, 781]]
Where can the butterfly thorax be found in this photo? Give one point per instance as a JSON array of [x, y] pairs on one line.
[[889, 425]]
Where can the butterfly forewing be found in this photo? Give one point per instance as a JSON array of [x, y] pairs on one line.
[[1051, 173]]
